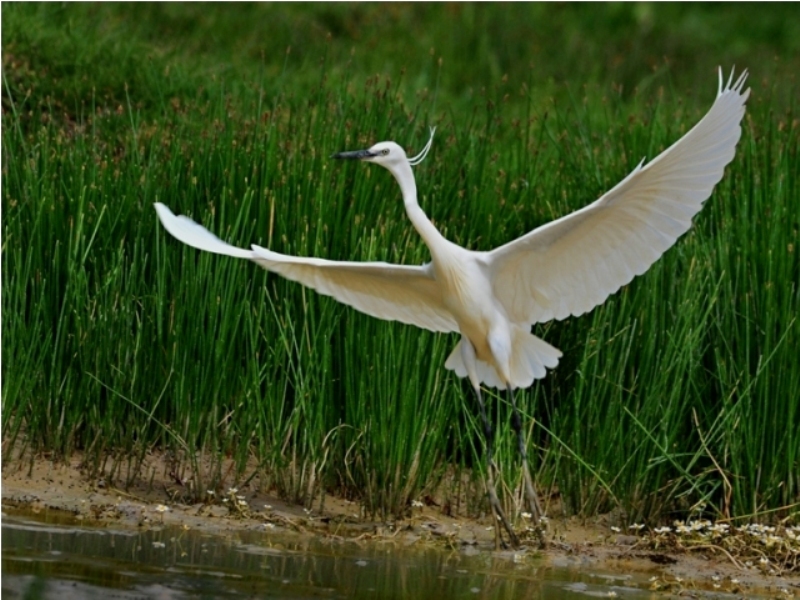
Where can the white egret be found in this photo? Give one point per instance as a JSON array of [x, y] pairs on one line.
[[563, 268]]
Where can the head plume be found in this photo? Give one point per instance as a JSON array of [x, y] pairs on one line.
[[415, 160]]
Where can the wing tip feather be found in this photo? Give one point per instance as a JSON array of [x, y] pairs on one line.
[[733, 85]]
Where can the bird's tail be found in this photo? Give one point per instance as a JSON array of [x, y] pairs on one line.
[[530, 359]]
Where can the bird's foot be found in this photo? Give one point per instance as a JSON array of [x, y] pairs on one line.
[[499, 515], [531, 497]]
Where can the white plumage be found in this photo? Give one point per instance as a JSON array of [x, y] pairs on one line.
[[563, 268]]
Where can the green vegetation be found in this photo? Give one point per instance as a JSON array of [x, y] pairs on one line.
[[680, 395]]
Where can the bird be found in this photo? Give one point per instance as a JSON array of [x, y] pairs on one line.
[[493, 298]]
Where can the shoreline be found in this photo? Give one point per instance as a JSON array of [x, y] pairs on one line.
[[593, 546]]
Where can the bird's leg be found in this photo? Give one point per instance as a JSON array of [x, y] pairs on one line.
[[488, 433], [530, 490]]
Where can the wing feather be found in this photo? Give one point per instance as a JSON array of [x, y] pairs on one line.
[[569, 266], [408, 294]]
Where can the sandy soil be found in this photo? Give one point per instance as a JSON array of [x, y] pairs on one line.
[[44, 485]]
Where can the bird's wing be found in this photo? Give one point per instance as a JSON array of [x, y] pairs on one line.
[[569, 266], [408, 294], [194, 235]]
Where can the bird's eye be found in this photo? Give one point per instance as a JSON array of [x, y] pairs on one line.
[[385, 151]]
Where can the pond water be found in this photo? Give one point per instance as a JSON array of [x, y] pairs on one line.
[[54, 557]]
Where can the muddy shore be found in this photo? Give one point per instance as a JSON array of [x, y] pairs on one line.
[[44, 485]]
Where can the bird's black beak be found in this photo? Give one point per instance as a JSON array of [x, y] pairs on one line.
[[357, 154]]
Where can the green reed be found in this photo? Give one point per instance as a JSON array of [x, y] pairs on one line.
[[679, 394]]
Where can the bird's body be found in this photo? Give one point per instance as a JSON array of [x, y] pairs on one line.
[[563, 268]]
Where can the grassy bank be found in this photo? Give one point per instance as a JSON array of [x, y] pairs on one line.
[[679, 395]]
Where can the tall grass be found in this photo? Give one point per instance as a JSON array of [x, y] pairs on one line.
[[685, 391], [678, 394]]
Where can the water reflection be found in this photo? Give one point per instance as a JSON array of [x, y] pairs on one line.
[[57, 560]]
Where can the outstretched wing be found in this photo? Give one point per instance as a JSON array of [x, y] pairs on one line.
[[408, 294], [571, 265]]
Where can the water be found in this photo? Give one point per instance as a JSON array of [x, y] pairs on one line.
[[57, 558]]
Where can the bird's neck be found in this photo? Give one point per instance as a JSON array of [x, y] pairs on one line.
[[421, 222]]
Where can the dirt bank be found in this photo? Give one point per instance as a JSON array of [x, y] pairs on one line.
[[44, 485]]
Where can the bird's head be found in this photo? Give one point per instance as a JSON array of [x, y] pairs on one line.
[[387, 154]]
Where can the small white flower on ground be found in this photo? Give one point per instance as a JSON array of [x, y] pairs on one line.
[[698, 525], [416, 504], [660, 530], [161, 508], [615, 529], [526, 515]]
